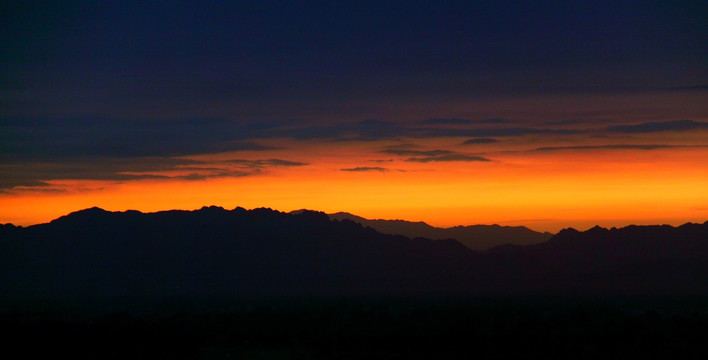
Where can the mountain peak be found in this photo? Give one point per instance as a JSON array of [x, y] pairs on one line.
[[93, 211], [475, 237], [94, 251], [311, 214], [82, 216], [212, 208], [596, 229], [301, 211], [569, 230]]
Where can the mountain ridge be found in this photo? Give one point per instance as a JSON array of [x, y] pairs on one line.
[[475, 237], [217, 252]]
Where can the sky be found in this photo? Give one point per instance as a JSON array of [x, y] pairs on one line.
[[543, 114]]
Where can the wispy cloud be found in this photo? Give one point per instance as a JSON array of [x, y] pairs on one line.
[[365, 168], [53, 139], [373, 130], [425, 156], [38, 174], [266, 162], [659, 126], [36, 151], [458, 121], [450, 157], [480, 141], [205, 176], [688, 88], [617, 147], [404, 152]]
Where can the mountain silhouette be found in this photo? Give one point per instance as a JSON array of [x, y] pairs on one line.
[[213, 252], [475, 237], [216, 252], [641, 260]]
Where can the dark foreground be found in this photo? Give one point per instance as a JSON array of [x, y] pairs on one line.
[[322, 289], [363, 329]]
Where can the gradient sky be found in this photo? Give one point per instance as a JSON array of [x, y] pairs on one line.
[[545, 114]]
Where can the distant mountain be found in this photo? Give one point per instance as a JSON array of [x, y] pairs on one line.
[[213, 252], [475, 237], [646, 260], [216, 252]]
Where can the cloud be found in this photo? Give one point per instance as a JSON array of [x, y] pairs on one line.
[[425, 156], [50, 139], [457, 121], [403, 152], [659, 126], [616, 147], [37, 174], [688, 88], [480, 141], [490, 132], [18, 183], [365, 168], [365, 130], [279, 162], [373, 130], [450, 157], [267, 162], [222, 174], [37, 150]]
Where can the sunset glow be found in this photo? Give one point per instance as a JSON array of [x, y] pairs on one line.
[[529, 180], [452, 114]]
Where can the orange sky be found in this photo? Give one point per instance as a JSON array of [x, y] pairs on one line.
[[544, 190], [454, 113]]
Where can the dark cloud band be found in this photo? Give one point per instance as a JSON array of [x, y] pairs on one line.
[[365, 169]]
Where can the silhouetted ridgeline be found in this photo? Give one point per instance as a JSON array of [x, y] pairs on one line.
[[475, 237], [212, 284], [214, 252]]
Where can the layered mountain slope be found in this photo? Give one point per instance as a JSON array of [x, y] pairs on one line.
[[475, 237], [214, 252]]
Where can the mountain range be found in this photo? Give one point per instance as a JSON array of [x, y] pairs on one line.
[[475, 237], [213, 252]]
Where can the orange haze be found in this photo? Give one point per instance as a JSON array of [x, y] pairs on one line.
[[543, 190]]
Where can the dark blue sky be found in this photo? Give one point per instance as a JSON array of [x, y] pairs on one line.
[[272, 103], [157, 59]]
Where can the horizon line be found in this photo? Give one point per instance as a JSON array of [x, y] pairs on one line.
[[519, 223]]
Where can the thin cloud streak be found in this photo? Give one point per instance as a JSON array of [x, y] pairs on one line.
[[425, 156], [55, 139], [267, 162], [445, 158], [659, 126], [617, 147], [37, 174], [402, 152], [480, 141], [456, 121], [38, 150], [51, 139], [365, 169]]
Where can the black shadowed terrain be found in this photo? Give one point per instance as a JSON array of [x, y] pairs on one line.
[[214, 283], [475, 237]]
